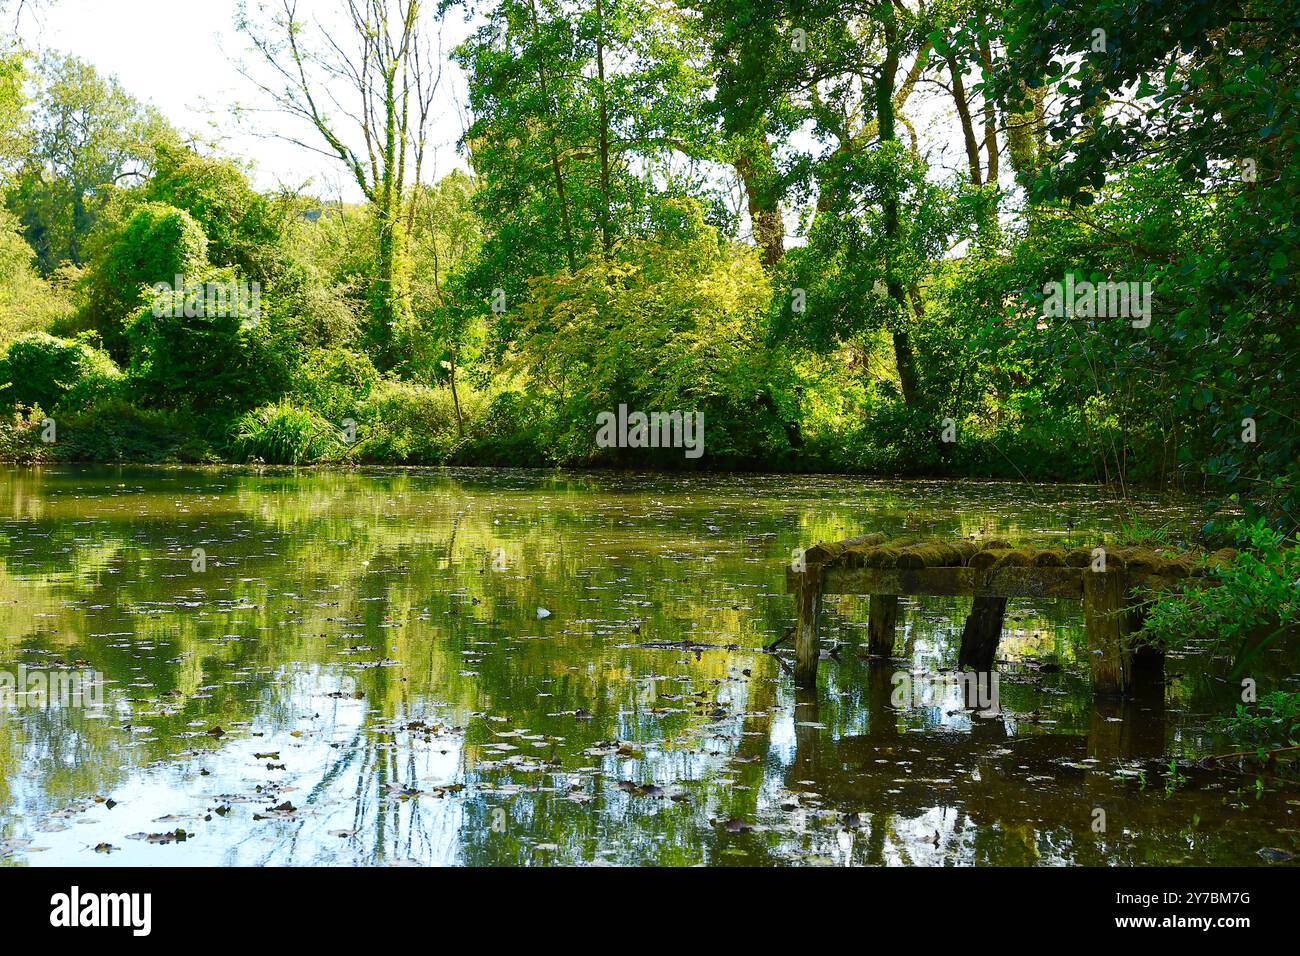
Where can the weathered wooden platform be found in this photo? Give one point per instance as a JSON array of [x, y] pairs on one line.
[[1109, 582]]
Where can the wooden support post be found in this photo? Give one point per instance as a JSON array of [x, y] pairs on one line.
[[980, 636], [1107, 623], [807, 646], [1147, 659], [882, 622], [807, 735]]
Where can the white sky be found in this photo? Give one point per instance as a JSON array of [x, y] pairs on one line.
[[179, 55]]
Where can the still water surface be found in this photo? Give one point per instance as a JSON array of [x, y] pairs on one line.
[[503, 667]]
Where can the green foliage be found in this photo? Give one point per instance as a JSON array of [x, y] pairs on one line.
[[196, 357], [606, 141], [286, 434], [1246, 605], [86, 137], [403, 423], [1273, 720], [28, 303], [155, 245], [663, 325], [444, 331], [115, 429], [571, 137], [1211, 218], [508, 431], [43, 371], [15, 132], [244, 229], [20, 437], [334, 382]]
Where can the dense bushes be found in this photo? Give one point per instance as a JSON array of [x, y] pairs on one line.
[[28, 302], [333, 382], [156, 244], [509, 430], [21, 439], [41, 370], [286, 434], [665, 325], [402, 423], [118, 429], [206, 360], [1249, 605]]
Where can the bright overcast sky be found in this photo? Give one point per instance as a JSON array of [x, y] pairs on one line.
[[179, 55]]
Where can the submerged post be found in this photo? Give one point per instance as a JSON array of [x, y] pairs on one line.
[[1106, 619], [980, 636], [807, 645], [1147, 659], [882, 622]]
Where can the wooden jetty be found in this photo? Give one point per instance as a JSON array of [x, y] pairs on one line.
[[1110, 582]]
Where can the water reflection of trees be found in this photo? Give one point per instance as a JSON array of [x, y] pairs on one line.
[[330, 572]]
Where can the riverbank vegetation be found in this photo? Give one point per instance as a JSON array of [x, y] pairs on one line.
[[839, 230]]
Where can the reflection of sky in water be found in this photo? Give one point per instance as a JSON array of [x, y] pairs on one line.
[[370, 648], [329, 828]]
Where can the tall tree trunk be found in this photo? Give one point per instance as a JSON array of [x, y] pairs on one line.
[[80, 222], [455, 397], [561, 194], [990, 115], [904, 357], [606, 235], [963, 114], [393, 289], [755, 167], [388, 313]]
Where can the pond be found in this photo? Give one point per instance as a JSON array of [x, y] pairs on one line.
[[224, 666]]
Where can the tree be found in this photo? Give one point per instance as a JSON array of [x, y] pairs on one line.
[[579, 109], [88, 136], [385, 64], [668, 324], [15, 129], [835, 69], [1178, 130], [244, 228], [155, 244], [446, 236]]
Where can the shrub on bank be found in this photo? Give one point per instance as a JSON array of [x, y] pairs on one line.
[[506, 433], [403, 423], [286, 434], [115, 430], [1248, 605], [20, 437], [334, 382], [42, 370]]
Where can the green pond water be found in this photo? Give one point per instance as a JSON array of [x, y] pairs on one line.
[[358, 668]]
